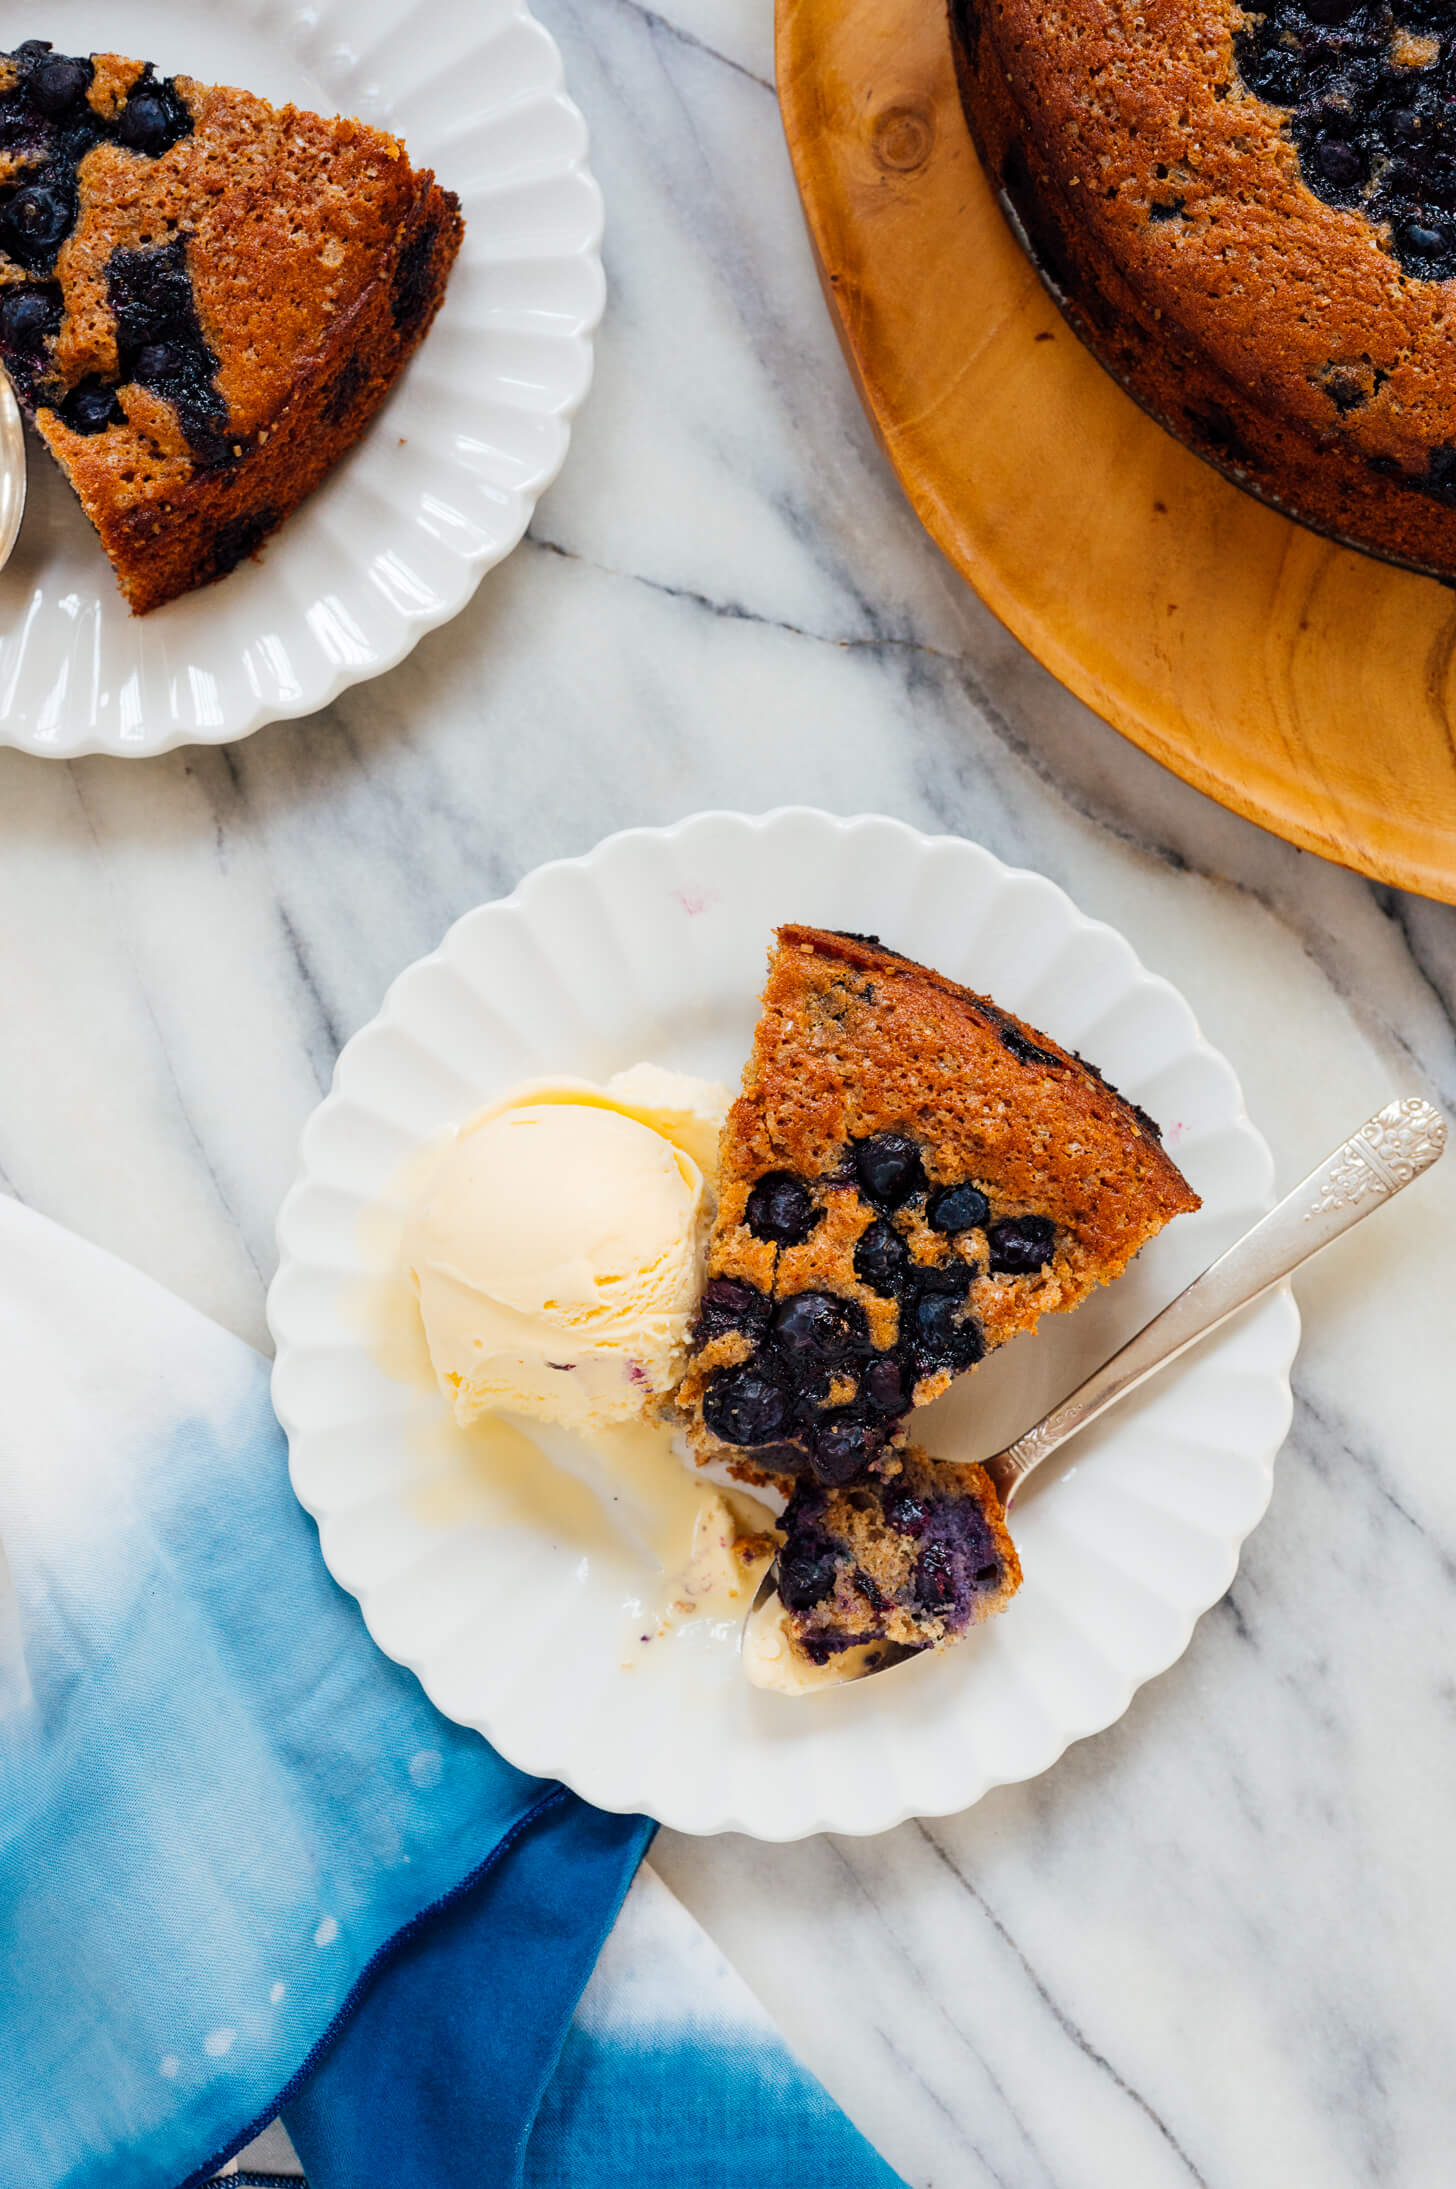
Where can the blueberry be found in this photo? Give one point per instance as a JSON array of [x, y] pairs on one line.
[[935, 1577], [1025, 1050], [1342, 94], [92, 407], [728, 1304], [38, 218], [812, 1327], [159, 343], [1423, 241], [55, 86], [843, 1449], [807, 1572], [1407, 125], [968, 1345], [1441, 473], [938, 1335], [870, 1589], [933, 1318], [743, 1407], [159, 361], [151, 294], [1271, 72], [957, 1208], [906, 1512], [881, 1259], [1339, 162], [22, 132], [884, 1386], [779, 1208], [812, 1389], [147, 123], [1020, 1244], [27, 316], [890, 1169]]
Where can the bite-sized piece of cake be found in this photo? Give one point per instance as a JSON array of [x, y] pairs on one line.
[[916, 1558], [203, 299], [909, 1177]]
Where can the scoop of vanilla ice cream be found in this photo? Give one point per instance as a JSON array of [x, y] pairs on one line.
[[557, 1248]]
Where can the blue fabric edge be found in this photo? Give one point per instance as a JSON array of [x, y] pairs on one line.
[[603, 1934], [203, 2174]]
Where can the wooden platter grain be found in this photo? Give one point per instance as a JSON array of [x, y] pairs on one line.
[[1304, 685]]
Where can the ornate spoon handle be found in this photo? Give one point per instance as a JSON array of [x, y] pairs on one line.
[[1388, 1151]]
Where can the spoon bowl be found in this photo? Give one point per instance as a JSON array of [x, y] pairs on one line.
[[12, 469]]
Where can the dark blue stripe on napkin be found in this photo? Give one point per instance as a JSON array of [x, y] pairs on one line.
[[436, 2079]]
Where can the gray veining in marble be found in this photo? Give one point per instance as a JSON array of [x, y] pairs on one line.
[[1215, 1945]]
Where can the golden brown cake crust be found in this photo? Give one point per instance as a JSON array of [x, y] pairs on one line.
[[1275, 333], [855, 1042], [315, 256], [916, 1036]]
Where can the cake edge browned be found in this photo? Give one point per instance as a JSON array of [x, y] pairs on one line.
[[1325, 486], [219, 519]]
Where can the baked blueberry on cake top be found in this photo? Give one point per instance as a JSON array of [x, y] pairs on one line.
[[909, 1177], [1249, 214], [916, 1558], [203, 299]]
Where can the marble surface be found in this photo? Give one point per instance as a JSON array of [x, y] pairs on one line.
[[1214, 1945]]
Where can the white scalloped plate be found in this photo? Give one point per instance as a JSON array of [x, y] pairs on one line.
[[443, 483], [654, 947]]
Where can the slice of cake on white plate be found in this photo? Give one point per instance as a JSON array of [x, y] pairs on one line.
[[204, 299], [910, 1177]]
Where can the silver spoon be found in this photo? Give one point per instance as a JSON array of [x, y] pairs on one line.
[[12, 469], [1389, 1150]]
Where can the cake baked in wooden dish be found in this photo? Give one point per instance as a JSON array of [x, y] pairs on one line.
[[910, 1177], [203, 299], [1249, 215]]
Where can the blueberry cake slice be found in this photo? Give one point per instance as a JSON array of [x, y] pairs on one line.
[[203, 299], [909, 1177], [916, 1559]]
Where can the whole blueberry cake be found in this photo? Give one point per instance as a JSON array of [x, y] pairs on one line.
[[203, 299], [1249, 214], [916, 1558], [909, 1177]]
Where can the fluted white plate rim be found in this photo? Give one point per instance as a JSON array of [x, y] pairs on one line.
[[1195, 1453], [442, 485]]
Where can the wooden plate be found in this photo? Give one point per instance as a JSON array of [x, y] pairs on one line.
[[1305, 685]]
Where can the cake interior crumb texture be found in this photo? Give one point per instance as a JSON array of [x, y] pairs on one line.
[[1249, 215], [916, 1557], [910, 1176], [203, 299]]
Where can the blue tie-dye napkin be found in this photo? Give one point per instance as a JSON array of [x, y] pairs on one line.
[[244, 1863]]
